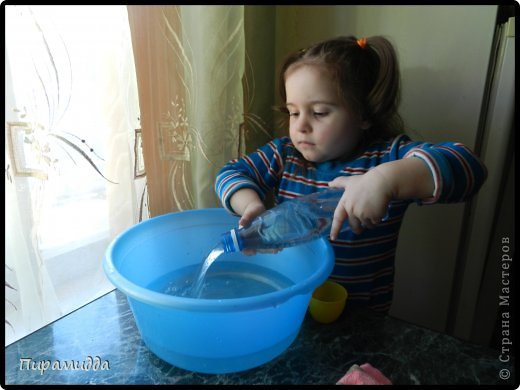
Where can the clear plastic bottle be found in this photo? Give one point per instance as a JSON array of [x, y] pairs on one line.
[[290, 223]]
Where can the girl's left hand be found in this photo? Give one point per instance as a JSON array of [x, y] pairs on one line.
[[364, 202]]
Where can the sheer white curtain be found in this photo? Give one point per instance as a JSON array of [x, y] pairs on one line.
[[74, 174]]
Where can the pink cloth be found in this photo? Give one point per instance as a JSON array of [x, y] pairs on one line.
[[364, 375]]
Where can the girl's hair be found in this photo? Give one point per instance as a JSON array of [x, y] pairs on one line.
[[367, 75]]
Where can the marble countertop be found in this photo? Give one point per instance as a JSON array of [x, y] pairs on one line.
[[100, 344]]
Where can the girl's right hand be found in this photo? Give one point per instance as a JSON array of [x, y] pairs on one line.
[[247, 203], [250, 213]]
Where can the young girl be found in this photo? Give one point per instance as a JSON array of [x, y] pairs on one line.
[[341, 96]]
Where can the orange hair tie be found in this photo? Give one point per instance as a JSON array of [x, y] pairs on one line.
[[362, 42]]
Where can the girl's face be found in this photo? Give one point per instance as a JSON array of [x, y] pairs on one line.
[[321, 126]]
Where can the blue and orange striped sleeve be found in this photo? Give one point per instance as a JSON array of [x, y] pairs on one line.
[[457, 172], [260, 171]]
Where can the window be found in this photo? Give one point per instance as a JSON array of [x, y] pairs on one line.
[[71, 117]]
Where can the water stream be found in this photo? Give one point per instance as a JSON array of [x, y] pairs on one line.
[[199, 283], [225, 280]]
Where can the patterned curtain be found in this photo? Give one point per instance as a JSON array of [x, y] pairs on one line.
[[190, 65]]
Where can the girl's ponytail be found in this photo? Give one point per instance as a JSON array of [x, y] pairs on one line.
[[383, 100]]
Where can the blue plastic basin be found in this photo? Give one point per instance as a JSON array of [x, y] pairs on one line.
[[211, 335]]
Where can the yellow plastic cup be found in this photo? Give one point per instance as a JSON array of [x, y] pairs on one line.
[[327, 302]]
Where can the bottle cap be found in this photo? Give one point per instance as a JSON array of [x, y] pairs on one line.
[[231, 241]]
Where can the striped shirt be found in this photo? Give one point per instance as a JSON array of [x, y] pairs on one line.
[[365, 262]]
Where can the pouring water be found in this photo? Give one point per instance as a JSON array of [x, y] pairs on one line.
[[199, 283]]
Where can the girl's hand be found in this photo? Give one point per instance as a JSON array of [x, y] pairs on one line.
[[251, 211], [247, 203], [367, 196], [364, 202]]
